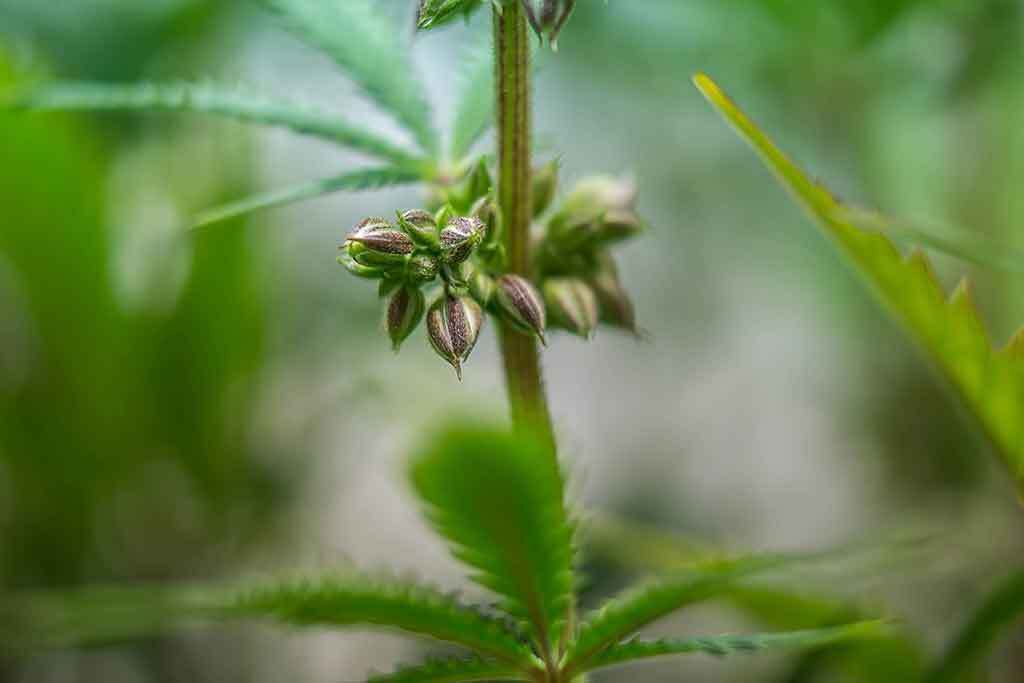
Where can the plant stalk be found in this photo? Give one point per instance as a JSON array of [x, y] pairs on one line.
[[520, 354]]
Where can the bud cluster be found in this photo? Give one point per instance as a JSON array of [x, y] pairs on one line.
[[456, 251]]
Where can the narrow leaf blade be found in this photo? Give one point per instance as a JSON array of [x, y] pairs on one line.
[[475, 111], [367, 47], [232, 103], [989, 382], [1003, 608], [721, 646], [499, 500], [100, 616], [369, 179], [623, 616]]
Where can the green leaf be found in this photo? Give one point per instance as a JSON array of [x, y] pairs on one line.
[[623, 616], [369, 179], [368, 48], [475, 111], [742, 644], [435, 13], [202, 99], [453, 671], [499, 499], [989, 382], [1003, 608], [105, 615]]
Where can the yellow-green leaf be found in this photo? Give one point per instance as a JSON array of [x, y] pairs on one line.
[[990, 381]]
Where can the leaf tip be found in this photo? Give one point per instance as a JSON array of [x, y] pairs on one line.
[[1015, 347]]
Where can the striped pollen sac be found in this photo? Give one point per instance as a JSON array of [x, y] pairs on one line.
[[453, 326], [522, 305], [573, 304], [378, 235], [460, 237], [405, 310]]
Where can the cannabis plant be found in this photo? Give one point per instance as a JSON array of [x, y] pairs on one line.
[[493, 239]]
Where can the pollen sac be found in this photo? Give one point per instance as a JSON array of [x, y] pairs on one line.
[[404, 313], [460, 237], [572, 304], [599, 210], [486, 210], [616, 305], [420, 226], [545, 185], [615, 226], [453, 326], [521, 305], [375, 243], [548, 17], [421, 269]]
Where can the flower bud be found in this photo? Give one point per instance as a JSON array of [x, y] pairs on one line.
[[486, 210], [616, 305], [482, 287], [460, 237], [420, 226], [360, 270], [453, 325], [479, 182], [616, 226], [374, 242], [549, 16], [405, 311], [545, 185], [522, 305], [421, 269], [572, 304]]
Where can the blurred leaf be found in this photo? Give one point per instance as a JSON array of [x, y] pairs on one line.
[[452, 671], [105, 615], [991, 383], [435, 13], [475, 112], [202, 99], [721, 646], [369, 179], [624, 615], [499, 499], [1003, 608], [367, 47]]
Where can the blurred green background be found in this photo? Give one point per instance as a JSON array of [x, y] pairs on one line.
[[177, 406]]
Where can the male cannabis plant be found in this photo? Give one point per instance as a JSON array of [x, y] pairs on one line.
[[479, 247]]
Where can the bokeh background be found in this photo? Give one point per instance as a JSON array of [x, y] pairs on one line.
[[223, 403]]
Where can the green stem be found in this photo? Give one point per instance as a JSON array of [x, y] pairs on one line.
[[520, 353]]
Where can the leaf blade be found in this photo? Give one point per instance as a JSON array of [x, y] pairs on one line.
[[475, 111], [99, 616], [721, 646], [232, 103], [499, 500], [362, 43], [368, 179], [990, 383]]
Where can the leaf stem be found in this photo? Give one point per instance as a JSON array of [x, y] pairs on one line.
[[520, 353]]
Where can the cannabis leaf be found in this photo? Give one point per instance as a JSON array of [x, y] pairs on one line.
[[499, 499], [475, 111], [434, 13], [199, 98], [453, 671], [368, 49], [990, 382]]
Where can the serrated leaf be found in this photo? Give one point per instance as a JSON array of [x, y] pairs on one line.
[[989, 382], [721, 646], [435, 13], [105, 615], [624, 615], [475, 111], [368, 48], [197, 98], [452, 671], [369, 179], [499, 499], [1003, 608]]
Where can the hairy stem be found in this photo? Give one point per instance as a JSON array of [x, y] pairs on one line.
[[520, 353]]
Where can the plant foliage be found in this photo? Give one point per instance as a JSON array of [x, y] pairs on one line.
[[989, 381]]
